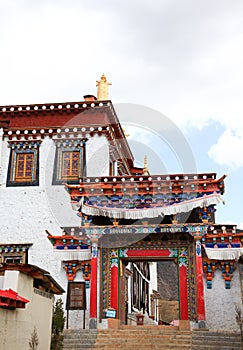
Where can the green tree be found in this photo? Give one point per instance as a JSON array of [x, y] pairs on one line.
[[58, 321]]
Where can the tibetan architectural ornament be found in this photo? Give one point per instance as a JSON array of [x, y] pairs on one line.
[[102, 88], [145, 166]]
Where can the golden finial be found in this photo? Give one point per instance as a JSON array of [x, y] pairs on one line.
[[102, 88], [125, 133], [145, 166]]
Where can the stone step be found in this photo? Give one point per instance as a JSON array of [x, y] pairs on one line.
[[208, 340], [84, 342], [147, 337], [78, 339], [143, 331], [144, 338], [215, 341], [216, 336], [134, 334], [77, 346], [145, 341], [128, 346], [217, 347], [144, 347]]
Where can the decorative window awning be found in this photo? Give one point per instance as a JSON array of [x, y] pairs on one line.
[[224, 253], [123, 210], [11, 299]]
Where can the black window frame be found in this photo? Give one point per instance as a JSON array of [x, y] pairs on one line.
[[61, 148], [23, 148]]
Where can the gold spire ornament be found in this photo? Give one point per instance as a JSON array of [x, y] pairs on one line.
[[102, 88], [125, 133], [145, 166]]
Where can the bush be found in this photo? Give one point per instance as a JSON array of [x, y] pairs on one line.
[[58, 321]]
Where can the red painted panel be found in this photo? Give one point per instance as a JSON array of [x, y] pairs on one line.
[[114, 287], [183, 292], [200, 289], [148, 253], [93, 288]]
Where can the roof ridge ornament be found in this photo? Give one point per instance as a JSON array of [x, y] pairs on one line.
[[145, 166], [102, 88]]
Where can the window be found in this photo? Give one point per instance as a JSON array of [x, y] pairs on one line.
[[69, 162], [13, 260], [71, 165], [23, 167]]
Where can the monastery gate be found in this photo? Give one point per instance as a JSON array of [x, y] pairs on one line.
[[165, 243]]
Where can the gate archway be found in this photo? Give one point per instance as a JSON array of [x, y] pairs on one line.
[[179, 248]]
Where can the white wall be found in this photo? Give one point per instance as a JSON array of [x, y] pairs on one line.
[[11, 280], [16, 326], [220, 302], [97, 152], [26, 212]]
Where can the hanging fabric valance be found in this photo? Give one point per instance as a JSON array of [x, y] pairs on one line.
[[73, 255], [224, 253], [152, 211]]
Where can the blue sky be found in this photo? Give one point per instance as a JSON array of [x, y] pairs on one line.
[[200, 142], [182, 59]]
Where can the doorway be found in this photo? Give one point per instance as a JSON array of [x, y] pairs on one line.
[[149, 287]]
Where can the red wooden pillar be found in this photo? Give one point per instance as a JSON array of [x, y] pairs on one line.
[[183, 287], [114, 281], [200, 288], [93, 286]]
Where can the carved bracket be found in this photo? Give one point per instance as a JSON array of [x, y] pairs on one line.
[[226, 267], [72, 266]]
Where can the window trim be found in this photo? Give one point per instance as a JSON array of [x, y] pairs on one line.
[[61, 148], [71, 153], [15, 150]]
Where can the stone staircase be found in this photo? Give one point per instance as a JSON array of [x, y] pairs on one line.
[[75, 339], [207, 340], [143, 337], [150, 337]]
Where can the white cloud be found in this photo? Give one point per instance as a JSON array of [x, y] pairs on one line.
[[229, 149], [182, 58], [240, 225]]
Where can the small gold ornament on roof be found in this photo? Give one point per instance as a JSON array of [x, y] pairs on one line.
[[145, 166], [125, 133], [102, 88]]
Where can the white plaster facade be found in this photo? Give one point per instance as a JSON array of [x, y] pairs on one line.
[[17, 326], [27, 212], [220, 302]]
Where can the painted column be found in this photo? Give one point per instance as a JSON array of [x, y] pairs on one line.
[[114, 280], [93, 285], [200, 288], [84, 170], [1, 142], [183, 284]]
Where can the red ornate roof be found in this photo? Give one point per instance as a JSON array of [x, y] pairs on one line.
[[147, 185], [37, 120], [136, 197], [11, 299]]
